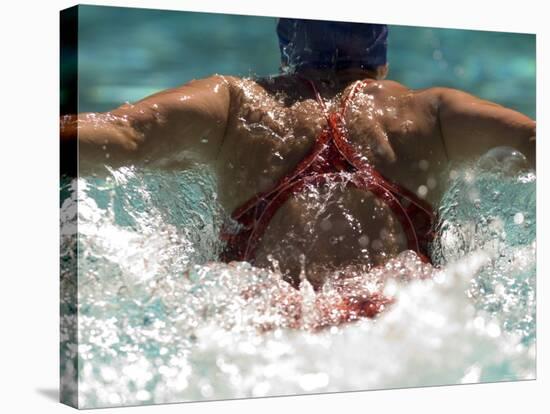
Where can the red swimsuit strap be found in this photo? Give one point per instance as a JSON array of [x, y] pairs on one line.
[[320, 144], [372, 180], [338, 156]]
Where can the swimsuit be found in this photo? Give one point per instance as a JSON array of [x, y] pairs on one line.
[[332, 159]]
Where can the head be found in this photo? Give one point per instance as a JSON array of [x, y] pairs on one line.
[[335, 46]]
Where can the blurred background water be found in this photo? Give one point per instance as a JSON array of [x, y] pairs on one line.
[[126, 54], [161, 320]]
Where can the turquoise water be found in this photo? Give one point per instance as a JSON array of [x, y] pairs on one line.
[[161, 320], [126, 54]]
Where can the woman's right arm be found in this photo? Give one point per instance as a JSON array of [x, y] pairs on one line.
[[164, 130]]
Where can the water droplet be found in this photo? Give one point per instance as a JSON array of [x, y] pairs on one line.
[[422, 191], [431, 182], [423, 165], [406, 126]]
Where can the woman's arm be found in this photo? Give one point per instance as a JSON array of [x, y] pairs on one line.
[[471, 126], [166, 129]]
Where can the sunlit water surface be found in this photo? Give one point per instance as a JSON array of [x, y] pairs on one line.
[[161, 320]]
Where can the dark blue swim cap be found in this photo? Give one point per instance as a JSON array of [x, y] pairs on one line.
[[327, 44]]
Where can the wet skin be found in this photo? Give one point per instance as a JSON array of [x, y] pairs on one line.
[[255, 132]]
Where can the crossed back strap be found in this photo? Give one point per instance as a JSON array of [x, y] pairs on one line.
[[331, 156]]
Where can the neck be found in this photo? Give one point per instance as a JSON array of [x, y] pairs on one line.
[[337, 78]]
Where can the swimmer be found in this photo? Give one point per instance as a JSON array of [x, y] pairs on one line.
[[326, 165]]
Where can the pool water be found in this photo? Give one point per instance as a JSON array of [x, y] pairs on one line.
[[126, 54], [160, 319]]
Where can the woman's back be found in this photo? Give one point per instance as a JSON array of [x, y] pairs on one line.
[[274, 124]]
